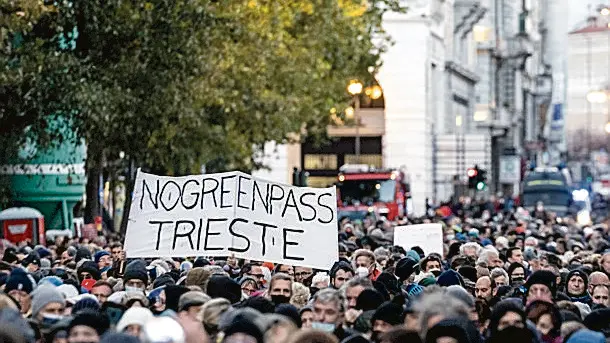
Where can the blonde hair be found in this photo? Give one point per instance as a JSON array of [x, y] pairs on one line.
[[300, 295], [211, 313]]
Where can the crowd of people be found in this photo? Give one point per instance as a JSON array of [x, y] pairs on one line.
[[504, 276]]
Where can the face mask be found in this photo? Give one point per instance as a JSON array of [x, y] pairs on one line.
[[435, 272], [280, 299], [362, 272], [133, 289], [326, 327], [517, 282], [50, 319]]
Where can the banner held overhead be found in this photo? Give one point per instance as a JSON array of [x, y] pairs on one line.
[[232, 213]]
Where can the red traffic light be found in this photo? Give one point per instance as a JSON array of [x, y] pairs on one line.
[[472, 172]]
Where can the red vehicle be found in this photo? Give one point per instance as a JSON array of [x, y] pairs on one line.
[[383, 191]]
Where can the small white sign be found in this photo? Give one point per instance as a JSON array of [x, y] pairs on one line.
[[510, 169], [429, 237], [232, 214], [17, 229]]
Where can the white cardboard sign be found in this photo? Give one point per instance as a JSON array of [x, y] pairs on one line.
[[429, 237], [232, 213]]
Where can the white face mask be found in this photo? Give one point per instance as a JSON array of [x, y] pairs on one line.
[[362, 272], [133, 289], [326, 327]]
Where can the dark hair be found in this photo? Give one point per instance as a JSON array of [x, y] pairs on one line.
[[509, 252]]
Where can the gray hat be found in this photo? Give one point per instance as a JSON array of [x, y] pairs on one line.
[[461, 294], [192, 298], [45, 295]]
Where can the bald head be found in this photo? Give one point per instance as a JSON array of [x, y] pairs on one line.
[[598, 278], [483, 289]]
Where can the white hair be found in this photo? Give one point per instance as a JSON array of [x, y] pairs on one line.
[[485, 256], [531, 239], [321, 277], [468, 245], [502, 242]]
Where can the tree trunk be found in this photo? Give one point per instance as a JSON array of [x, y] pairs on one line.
[[94, 171], [129, 185]]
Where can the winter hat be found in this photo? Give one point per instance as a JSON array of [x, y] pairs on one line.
[[91, 268], [404, 268], [598, 321], [500, 309], [18, 323], [245, 327], [290, 311], [98, 255], [457, 329], [449, 278], [163, 280], [586, 336], [201, 262], [389, 281], [388, 312], [52, 280], [369, 299], [543, 277], [45, 295], [88, 302], [260, 304], [172, 296], [136, 270], [95, 320], [461, 294], [82, 254], [134, 316], [569, 316], [19, 280], [68, 291], [427, 281], [469, 273], [31, 258], [118, 338], [192, 298], [413, 289], [221, 286], [414, 255], [45, 263]]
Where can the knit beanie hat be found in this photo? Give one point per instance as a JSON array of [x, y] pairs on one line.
[[468, 272], [414, 255], [31, 258], [449, 278], [389, 281], [427, 281], [88, 302], [95, 320], [369, 299], [404, 268], [221, 286], [163, 280], [20, 280], [172, 296], [413, 289], [460, 293], [290, 311], [245, 327], [91, 268], [52, 280], [136, 270], [543, 277], [134, 316], [98, 255], [82, 254], [388, 312], [583, 276], [45, 295]]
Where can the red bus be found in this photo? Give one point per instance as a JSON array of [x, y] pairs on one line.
[[384, 191]]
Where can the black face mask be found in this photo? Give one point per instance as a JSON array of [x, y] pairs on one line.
[[436, 273], [518, 282], [280, 299]]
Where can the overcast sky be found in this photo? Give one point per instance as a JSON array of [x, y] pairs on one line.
[[579, 9]]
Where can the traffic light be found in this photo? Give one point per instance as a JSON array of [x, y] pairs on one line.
[[481, 180], [472, 177]]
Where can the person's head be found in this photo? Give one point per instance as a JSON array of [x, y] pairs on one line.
[[101, 290], [20, 285], [490, 258], [499, 277], [605, 263], [103, 259], [48, 305], [576, 283], [483, 288], [354, 287], [514, 254], [256, 272], [133, 321], [600, 295], [541, 285], [135, 277], [437, 306], [516, 273], [364, 259], [191, 302], [306, 317], [116, 249], [280, 288], [284, 268], [300, 295], [212, 312], [506, 314], [399, 335], [320, 281], [431, 263], [341, 274], [471, 249], [598, 278], [87, 327], [385, 317], [328, 307], [302, 274], [546, 317], [249, 286]]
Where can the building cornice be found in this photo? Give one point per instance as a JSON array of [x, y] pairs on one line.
[[462, 71]]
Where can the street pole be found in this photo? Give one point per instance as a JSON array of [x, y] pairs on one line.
[[589, 105], [357, 118]]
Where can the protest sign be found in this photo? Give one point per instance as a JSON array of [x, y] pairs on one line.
[[429, 237], [232, 214]]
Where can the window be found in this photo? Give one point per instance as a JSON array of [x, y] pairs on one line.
[[371, 160], [320, 162]]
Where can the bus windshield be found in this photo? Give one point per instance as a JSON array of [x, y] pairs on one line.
[[367, 191]]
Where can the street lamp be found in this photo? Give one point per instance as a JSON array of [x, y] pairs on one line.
[[605, 11], [607, 127], [355, 88]]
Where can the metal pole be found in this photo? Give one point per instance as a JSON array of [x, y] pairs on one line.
[[357, 117], [589, 85]]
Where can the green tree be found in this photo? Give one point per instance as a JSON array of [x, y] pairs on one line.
[[179, 83]]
